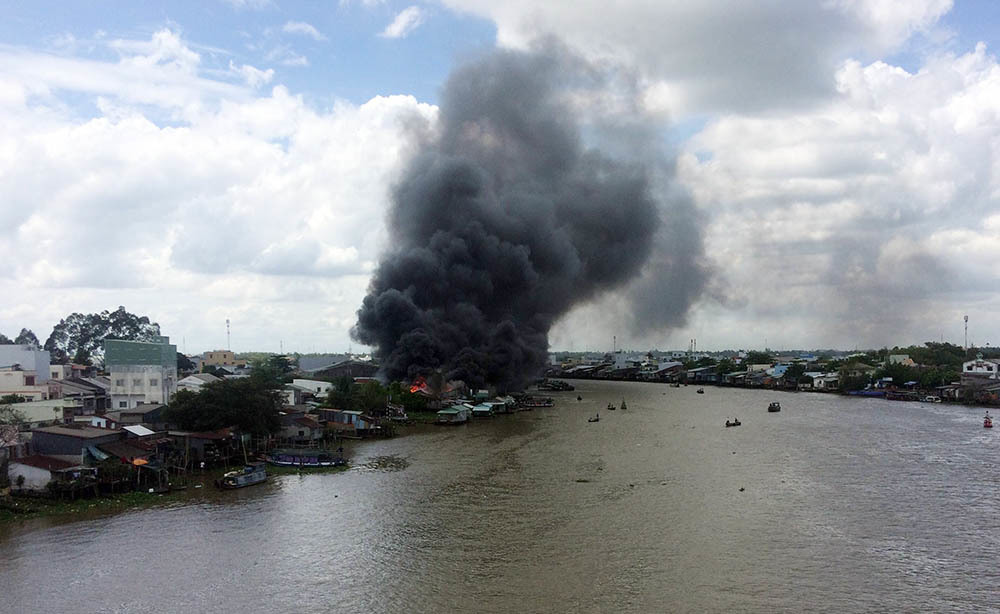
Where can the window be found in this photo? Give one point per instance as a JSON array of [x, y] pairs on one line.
[[154, 382], [137, 383], [969, 368], [120, 383], [29, 380], [302, 433], [123, 404], [989, 367]]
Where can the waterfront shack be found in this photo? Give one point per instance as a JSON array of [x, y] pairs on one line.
[[36, 471], [456, 414], [483, 410]]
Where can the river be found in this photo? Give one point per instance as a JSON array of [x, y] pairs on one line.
[[847, 505]]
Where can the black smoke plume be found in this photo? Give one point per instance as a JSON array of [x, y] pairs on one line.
[[503, 221]]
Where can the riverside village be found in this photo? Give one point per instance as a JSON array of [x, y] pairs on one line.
[[133, 419]]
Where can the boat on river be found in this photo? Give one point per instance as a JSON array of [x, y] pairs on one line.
[[291, 457], [700, 391], [774, 406], [611, 407], [735, 422], [987, 422], [623, 406], [253, 473], [596, 418]]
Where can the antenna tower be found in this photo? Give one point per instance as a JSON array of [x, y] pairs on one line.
[[966, 333]]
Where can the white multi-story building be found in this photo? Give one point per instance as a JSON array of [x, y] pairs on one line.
[[981, 368], [141, 372], [24, 370]]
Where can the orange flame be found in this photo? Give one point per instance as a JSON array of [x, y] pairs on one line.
[[418, 384]]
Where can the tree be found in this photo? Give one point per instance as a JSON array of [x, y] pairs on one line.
[[5, 340], [80, 337], [26, 337], [184, 363], [341, 394], [758, 358], [794, 372], [371, 396], [9, 399], [246, 404], [272, 371], [10, 421]]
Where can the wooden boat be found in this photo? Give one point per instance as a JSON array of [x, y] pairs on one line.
[[733, 423], [987, 422], [254, 473], [305, 458], [623, 404], [594, 419], [774, 406], [700, 391], [611, 407]]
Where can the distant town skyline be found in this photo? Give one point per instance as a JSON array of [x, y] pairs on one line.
[[233, 159]]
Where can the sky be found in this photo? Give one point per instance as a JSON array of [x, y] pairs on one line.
[[233, 159]]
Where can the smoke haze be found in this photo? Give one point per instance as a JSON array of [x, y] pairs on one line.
[[505, 219]]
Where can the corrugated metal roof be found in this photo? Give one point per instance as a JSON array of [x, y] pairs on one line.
[[138, 430]]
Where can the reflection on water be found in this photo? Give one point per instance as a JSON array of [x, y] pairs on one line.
[[847, 505]]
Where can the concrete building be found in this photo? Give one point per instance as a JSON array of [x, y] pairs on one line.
[[195, 381], [24, 370], [980, 368], [141, 372], [222, 358], [70, 442]]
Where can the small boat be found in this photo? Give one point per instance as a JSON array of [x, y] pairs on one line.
[[579, 398], [254, 473], [774, 406], [987, 422], [611, 407], [675, 385], [594, 419], [932, 398], [623, 405], [700, 391], [735, 422]]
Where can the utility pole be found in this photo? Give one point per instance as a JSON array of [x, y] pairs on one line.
[[228, 344]]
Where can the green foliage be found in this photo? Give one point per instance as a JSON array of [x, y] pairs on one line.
[[251, 405], [11, 415], [272, 370], [794, 372], [80, 337], [5, 340], [401, 395], [341, 394], [8, 399], [370, 396], [758, 358], [184, 363], [726, 366], [26, 337]]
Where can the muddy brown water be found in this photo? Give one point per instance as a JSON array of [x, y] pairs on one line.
[[847, 505]]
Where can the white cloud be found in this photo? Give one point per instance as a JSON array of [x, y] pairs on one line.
[[242, 199], [717, 55], [286, 56], [301, 27], [405, 22], [254, 77], [249, 4]]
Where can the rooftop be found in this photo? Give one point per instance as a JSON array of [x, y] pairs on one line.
[[80, 431]]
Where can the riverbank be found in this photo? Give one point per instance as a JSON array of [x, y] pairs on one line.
[[17, 508]]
